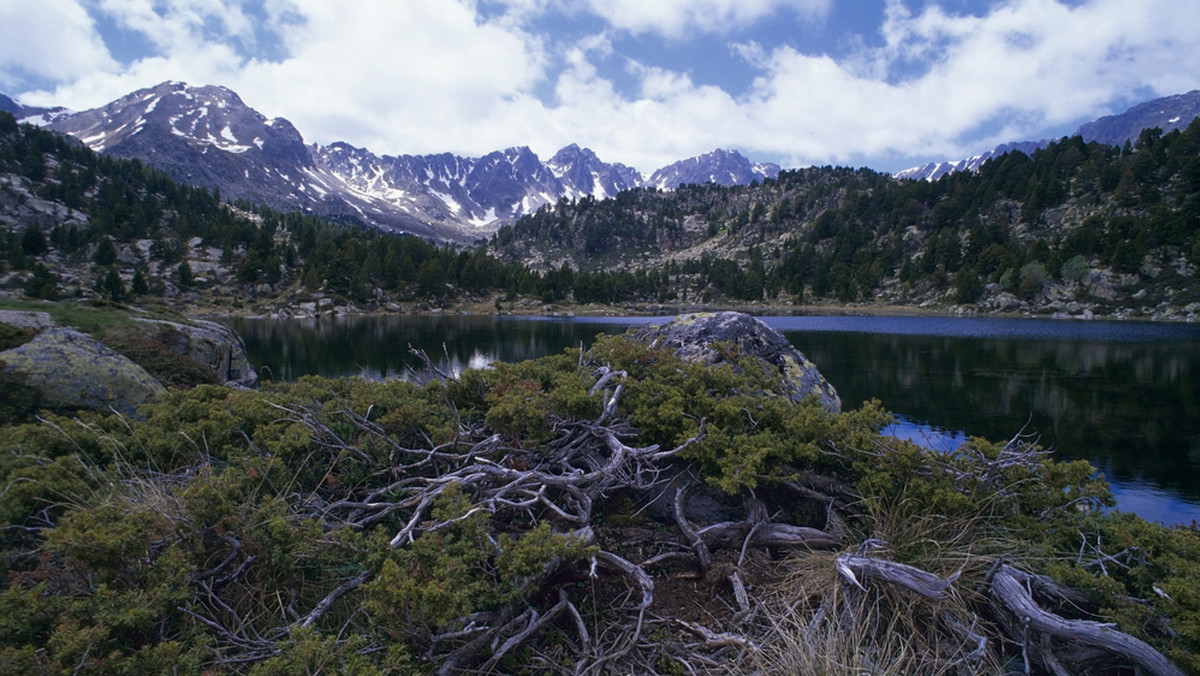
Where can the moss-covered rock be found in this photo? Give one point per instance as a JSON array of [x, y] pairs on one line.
[[214, 346], [73, 370], [700, 337]]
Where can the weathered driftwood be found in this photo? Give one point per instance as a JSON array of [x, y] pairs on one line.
[[730, 534], [1049, 641], [851, 567], [1010, 591]]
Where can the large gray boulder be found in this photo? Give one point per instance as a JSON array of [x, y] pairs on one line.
[[212, 345], [73, 370], [694, 337]]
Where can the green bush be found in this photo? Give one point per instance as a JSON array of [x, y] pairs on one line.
[[126, 543]]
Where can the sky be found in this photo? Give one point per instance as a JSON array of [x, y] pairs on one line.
[[886, 84]]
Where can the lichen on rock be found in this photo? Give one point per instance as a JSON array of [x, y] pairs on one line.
[[214, 346], [73, 370], [697, 337]]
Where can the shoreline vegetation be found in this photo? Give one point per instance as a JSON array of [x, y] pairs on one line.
[[501, 304], [615, 509]]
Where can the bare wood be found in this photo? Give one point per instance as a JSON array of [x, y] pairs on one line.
[[1009, 591], [689, 532], [326, 603], [739, 592], [851, 566], [713, 640], [730, 534], [536, 623], [633, 570]]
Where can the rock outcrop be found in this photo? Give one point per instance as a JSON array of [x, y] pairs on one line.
[[695, 337], [73, 370], [214, 346]]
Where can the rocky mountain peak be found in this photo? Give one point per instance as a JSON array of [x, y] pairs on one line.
[[720, 166], [206, 135], [1167, 113], [31, 114]]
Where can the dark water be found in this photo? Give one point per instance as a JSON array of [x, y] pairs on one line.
[[1123, 395]]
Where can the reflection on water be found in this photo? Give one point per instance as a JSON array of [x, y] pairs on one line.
[[1123, 395], [377, 347]]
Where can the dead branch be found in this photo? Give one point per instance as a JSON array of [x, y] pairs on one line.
[[713, 640], [689, 532], [326, 603], [850, 567], [731, 534], [1010, 592], [430, 367]]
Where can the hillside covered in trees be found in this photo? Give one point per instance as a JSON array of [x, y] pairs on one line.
[[74, 224], [1075, 228]]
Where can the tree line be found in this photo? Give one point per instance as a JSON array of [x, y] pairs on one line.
[[831, 233], [1021, 222]]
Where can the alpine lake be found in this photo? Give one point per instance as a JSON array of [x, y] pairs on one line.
[[1123, 395]]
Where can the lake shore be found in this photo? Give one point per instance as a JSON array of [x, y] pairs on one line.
[[306, 306]]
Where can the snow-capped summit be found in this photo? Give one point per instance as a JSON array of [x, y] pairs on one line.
[[582, 173], [31, 114], [206, 135], [1167, 113], [721, 166]]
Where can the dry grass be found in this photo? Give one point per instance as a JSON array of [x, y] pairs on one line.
[[814, 622]]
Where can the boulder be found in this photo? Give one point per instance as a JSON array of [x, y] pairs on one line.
[[73, 370], [30, 320], [694, 337], [214, 346]]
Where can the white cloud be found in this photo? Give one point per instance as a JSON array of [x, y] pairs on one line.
[[175, 26], [948, 85], [53, 39], [470, 76], [677, 18], [402, 76]]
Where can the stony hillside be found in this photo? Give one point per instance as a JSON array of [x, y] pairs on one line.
[[1077, 229]]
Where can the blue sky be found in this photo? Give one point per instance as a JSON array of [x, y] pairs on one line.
[[881, 83]]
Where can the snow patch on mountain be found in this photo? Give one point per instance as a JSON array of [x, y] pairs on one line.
[[1167, 113], [174, 126]]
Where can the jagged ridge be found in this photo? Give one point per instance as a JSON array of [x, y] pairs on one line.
[[180, 128], [1168, 113]]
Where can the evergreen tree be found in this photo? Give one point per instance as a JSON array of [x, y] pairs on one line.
[[183, 276], [138, 285], [111, 286], [42, 283], [106, 252], [33, 240]]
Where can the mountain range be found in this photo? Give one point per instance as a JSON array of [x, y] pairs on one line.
[[206, 135], [1167, 113]]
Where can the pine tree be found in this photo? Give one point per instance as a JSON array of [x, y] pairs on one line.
[[111, 286], [33, 240], [138, 285], [183, 276], [106, 252]]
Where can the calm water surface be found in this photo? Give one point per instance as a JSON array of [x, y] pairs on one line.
[[1123, 395]]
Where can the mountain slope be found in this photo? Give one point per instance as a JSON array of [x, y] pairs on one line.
[[208, 136], [31, 114], [1079, 229], [723, 167], [1168, 113]]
